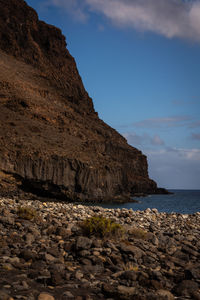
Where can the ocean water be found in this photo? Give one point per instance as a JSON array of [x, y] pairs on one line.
[[181, 201]]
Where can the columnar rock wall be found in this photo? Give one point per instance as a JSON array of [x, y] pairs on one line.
[[51, 139]]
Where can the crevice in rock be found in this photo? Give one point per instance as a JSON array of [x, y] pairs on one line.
[[44, 189]]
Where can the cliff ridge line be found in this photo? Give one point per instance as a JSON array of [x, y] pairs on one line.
[[52, 142]]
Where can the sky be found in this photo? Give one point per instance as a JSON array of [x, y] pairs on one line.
[[140, 63]]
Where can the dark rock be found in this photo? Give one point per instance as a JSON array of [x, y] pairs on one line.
[[5, 296], [163, 191], [165, 295], [191, 273], [126, 292], [160, 295], [190, 251], [195, 295], [179, 262], [131, 249], [45, 296], [109, 290], [53, 251], [7, 220], [49, 258], [63, 232], [68, 246], [52, 229], [97, 243], [116, 259], [78, 275], [28, 255], [129, 275], [29, 238], [143, 278], [186, 288], [85, 261], [156, 284], [56, 279], [83, 243], [56, 146], [93, 269], [43, 279], [67, 295], [59, 268], [38, 265], [156, 275], [84, 253]]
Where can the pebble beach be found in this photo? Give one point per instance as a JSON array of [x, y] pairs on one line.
[[49, 257]]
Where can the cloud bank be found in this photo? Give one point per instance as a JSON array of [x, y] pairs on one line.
[[174, 121], [175, 168], [75, 8], [170, 18], [196, 136], [142, 140], [170, 167]]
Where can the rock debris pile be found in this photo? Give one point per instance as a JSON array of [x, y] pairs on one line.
[[45, 255]]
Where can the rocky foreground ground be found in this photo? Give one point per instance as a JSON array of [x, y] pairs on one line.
[[48, 257]]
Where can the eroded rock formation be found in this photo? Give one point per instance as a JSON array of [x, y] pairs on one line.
[[52, 142]]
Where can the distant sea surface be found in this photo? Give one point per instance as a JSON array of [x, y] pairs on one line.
[[181, 201]]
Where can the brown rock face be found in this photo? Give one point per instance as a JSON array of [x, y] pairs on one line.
[[52, 142]]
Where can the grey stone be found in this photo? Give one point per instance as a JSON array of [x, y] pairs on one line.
[[135, 251], [78, 275], [45, 296], [14, 260], [67, 295], [186, 288], [5, 296], [49, 257], [167, 295], [83, 243], [126, 291], [129, 275]]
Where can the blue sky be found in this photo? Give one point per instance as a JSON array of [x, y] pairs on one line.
[[140, 62]]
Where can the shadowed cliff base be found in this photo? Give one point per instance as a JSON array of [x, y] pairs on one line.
[[52, 142]]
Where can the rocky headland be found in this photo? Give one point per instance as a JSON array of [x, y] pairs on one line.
[[52, 142], [53, 145], [45, 254]]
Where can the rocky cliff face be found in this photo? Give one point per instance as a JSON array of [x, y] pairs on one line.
[[52, 142]]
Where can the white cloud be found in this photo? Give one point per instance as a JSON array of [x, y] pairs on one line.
[[143, 140], [194, 124], [156, 140], [170, 18], [74, 7], [185, 102], [169, 167], [192, 154], [175, 168], [134, 139], [195, 136], [163, 122], [186, 154]]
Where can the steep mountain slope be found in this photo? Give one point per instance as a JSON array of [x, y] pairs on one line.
[[52, 142]]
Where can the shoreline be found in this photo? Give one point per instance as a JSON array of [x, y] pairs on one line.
[[157, 258]]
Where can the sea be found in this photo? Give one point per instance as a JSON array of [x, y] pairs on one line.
[[181, 201]]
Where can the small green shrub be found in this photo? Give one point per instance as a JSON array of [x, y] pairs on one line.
[[27, 213], [101, 227]]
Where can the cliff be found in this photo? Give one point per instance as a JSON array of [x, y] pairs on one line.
[[52, 142]]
